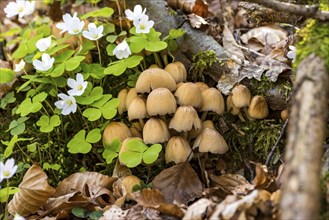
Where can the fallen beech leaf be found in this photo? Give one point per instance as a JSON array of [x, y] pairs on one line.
[[138, 212], [98, 195], [114, 212], [198, 7], [77, 181], [266, 35], [199, 209], [153, 198], [179, 183], [34, 192], [196, 21], [261, 175], [230, 44], [232, 183]]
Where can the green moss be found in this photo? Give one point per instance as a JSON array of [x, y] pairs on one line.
[[314, 38], [202, 61]]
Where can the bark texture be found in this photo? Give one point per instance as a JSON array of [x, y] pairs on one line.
[[306, 132]]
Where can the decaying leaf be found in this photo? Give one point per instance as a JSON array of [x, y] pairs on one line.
[[196, 21], [77, 182], [232, 183], [179, 183], [198, 7], [263, 178], [230, 44], [114, 212], [152, 198], [138, 212], [34, 192], [98, 195], [199, 209]]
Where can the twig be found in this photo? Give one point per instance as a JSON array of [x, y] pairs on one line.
[[250, 50], [311, 11], [270, 156]]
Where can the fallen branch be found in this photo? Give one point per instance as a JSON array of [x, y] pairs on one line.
[[310, 11]]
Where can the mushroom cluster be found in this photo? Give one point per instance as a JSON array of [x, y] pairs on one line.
[[164, 108]]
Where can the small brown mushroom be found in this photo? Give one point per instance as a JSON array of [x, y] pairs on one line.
[[212, 100], [160, 102], [230, 106], [129, 182], [137, 110], [284, 114], [241, 96], [130, 96], [122, 96], [202, 86], [177, 71], [189, 94], [210, 140], [115, 130], [155, 131], [185, 118], [177, 150], [258, 108]]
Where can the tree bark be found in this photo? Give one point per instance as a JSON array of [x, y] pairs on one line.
[[306, 132]]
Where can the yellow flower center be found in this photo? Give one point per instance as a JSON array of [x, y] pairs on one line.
[[80, 87], [95, 36], [6, 173], [20, 9], [76, 30], [69, 102], [142, 26]]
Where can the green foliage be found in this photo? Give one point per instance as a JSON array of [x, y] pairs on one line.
[[137, 152], [17, 127], [9, 98], [112, 151], [85, 214], [6, 75], [202, 61], [81, 143], [47, 124], [6, 192], [103, 12]]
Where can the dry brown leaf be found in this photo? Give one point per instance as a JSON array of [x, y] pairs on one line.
[[199, 209], [99, 195], [34, 192], [77, 182], [230, 44], [114, 213], [198, 7], [232, 183], [152, 198], [196, 21], [266, 35], [138, 212], [179, 183], [263, 178]]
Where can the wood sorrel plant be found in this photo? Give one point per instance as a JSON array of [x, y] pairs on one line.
[[60, 102]]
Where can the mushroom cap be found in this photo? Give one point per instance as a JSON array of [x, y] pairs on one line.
[[160, 102], [137, 109], [115, 130], [129, 182], [212, 100], [258, 108], [230, 106], [122, 100], [130, 96], [202, 86], [154, 78], [155, 131], [210, 140], [194, 133], [241, 96], [135, 132], [284, 114], [189, 94], [177, 71], [177, 150], [185, 118]]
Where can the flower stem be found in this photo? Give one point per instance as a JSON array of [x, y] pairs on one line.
[[99, 53]]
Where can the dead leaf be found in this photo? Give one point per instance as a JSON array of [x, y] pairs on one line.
[[263, 178], [266, 35], [179, 183], [199, 209], [230, 44], [34, 192], [232, 183], [114, 213], [196, 21], [198, 7], [98, 195], [77, 182], [152, 198], [274, 67], [138, 212]]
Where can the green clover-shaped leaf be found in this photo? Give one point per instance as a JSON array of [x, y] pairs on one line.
[[152, 153], [111, 151], [92, 114], [73, 63], [31, 105], [103, 12], [131, 158], [47, 124], [17, 127], [6, 75], [9, 98], [88, 98], [82, 144]]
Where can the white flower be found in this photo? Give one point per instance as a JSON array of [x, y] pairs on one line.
[[20, 66], [20, 8], [143, 25], [137, 14], [44, 43], [67, 104], [292, 53], [78, 86], [45, 64], [18, 217], [93, 33], [8, 169], [122, 50], [72, 24]]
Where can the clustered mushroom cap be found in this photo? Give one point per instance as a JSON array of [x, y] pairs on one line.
[[115, 130], [177, 150], [258, 108], [189, 94], [137, 109], [122, 96], [129, 182], [160, 102], [154, 78], [212, 100], [241, 96], [230, 107], [155, 131], [210, 140], [177, 71], [130, 97], [184, 119], [202, 86]]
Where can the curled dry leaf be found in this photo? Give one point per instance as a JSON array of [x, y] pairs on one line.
[[114, 212], [153, 198], [263, 178], [179, 183], [198, 7], [196, 21], [199, 209], [77, 182], [232, 183], [34, 192], [138, 212], [98, 195], [230, 44]]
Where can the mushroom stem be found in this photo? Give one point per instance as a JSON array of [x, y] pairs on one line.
[[204, 115], [241, 117], [163, 118]]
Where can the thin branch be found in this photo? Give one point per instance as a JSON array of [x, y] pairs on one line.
[[270, 156], [311, 11]]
